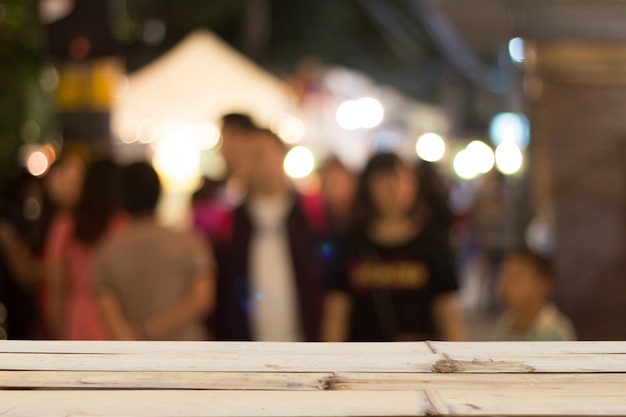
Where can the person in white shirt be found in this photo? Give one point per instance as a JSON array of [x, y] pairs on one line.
[[270, 280]]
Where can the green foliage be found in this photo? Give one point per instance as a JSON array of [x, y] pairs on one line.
[[25, 111]]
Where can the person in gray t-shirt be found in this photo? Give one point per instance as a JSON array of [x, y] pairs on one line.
[[153, 283]]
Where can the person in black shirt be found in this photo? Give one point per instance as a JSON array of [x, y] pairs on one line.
[[394, 279]]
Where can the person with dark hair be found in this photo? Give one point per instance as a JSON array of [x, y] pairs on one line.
[[270, 282], [153, 283], [395, 279], [208, 209], [31, 207], [337, 191], [238, 120], [432, 200], [72, 312], [141, 189], [525, 284], [236, 130]]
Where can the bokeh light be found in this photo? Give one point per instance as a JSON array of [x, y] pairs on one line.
[[288, 128], [509, 158], [206, 135], [516, 49], [50, 153], [463, 165], [79, 47], [371, 112], [430, 147], [37, 163], [366, 112], [31, 209], [153, 31], [30, 131], [299, 162], [481, 156], [53, 10], [129, 132], [177, 158], [509, 127], [348, 115], [49, 79], [148, 131]]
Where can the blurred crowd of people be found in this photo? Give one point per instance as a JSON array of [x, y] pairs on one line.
[[370, 257]]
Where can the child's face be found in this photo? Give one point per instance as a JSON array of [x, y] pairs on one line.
[[520, 284]]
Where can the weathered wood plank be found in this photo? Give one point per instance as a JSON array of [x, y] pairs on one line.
[[315, 380], [188, 403], [306, 381], [574, 363], [219, 362], [166, 380], [521, 357], [534, 402], [161, 403], [485, 382], [524, 349]]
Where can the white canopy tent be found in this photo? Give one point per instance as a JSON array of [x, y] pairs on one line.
[[190, 87], [199, 80]]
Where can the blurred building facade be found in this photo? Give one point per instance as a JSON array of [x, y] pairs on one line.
[[579, 131], [574, 89]]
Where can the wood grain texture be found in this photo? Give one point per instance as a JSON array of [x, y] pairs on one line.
[[158, 379], [166, 380], [534, 402], [204, 362], [295, 381], [190, 403], [468, 381]]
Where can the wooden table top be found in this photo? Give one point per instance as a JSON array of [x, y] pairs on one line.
[[60, 378]]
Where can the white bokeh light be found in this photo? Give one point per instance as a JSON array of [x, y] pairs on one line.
[[148, 131], [288, 128], [366, 112], [129, 131], [463, 165], [509, 127], [299, 162], [206, 135], [516, 49], [348, 115], [430, 147], [509, 158], [37, 163], [371, 112], [481, 155], [177, 158]]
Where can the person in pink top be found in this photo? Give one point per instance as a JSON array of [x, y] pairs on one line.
[[71, 310]]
